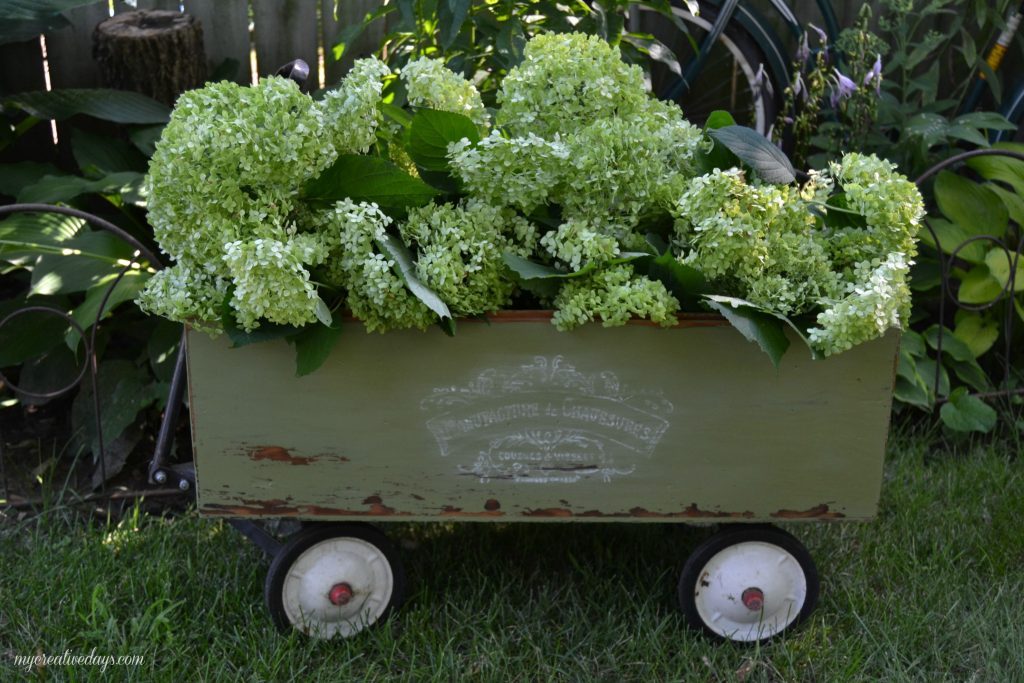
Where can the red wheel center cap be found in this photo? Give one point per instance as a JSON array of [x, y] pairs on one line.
[[753, 599], [340, 594]]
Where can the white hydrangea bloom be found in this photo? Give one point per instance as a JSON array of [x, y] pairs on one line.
[[432, 84], [350, 112]]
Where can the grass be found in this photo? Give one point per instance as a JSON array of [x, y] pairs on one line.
[[931, 591]]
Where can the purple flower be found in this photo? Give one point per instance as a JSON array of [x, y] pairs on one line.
[[799, 89], [875, 75], [803, 53], [843, 88], [822, 36]]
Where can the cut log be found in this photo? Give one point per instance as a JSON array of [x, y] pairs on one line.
[[155, 52]]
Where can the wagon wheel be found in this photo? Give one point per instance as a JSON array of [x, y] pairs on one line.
[[748, 584], [334, 580]]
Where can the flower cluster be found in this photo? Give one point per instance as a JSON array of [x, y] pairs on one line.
[[614, 295], [431, 84], [460, 252], [580, 168]]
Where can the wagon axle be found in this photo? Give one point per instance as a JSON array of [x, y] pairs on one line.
[[340, 594]]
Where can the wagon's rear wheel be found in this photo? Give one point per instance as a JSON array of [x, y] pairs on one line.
[[334, 580], [748, 584]]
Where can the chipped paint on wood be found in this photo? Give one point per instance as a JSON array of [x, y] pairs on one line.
[[817, 512]]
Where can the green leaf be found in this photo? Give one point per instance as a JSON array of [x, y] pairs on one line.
[[53, 371], [452, 15], [19, 231], [119, 106], [30, 334], [323, 312], [103, 154], [972, 206], [757, 151], [162, 348], [313, 346], [54, 189], [1003, 169], [926, 368], [124, 391], [684, 282], [15, 177], [430, 133], [951, 236], [719, 155], [1013, 201], [976, 332], [368, 179], [988, 120], [656, 50], [979, 287], [952, 346], [966, 413], [527, 270], [999, 266], [126, 289], [399, 253], [91, 257], [145, 139], [967, 134], [914, 393], [762, 328]]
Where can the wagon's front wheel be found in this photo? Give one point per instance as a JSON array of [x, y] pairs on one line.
[[334, 580], [748, 584]]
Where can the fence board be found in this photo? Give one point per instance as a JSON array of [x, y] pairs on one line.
[[349, 12], [69, 50], [121, 7], [225, 33], [21, 67], [283, 31]]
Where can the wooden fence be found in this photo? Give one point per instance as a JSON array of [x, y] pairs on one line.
[[269, 32]]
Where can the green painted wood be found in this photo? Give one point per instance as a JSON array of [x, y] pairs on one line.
[[517, 421]]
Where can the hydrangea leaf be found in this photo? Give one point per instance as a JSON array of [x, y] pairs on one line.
[[313, 345], [757, 151], [400, 254], [966, 413], [530, 270], [684, 282], [367, 179], [756, 325], [719, 156], [430, 133]]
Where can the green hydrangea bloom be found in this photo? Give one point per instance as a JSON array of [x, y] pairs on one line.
[[565, 81], [615, 295], [877, 299], [185, 293], [758, 242], [432, 84], [351, 114], [575, 243]]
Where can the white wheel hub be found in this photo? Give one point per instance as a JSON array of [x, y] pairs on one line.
[[750, 591], [337, 587]]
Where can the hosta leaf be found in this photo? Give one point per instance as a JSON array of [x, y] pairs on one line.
[[119, 106], [999, 263], [966, 413], [313, 345], [757, 151], [973, 206], [979, 287]]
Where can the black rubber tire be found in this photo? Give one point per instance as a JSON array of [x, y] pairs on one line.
[[751, 51], [313, 534], [729, 536]]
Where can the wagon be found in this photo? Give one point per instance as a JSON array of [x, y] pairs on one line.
[[513, 421]]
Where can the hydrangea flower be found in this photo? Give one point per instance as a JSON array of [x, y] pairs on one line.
[[431, 84], [614, 295]]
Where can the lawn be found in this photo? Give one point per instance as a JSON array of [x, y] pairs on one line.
[[933, 590]]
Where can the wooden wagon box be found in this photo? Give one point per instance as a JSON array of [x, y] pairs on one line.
[[513, 420]]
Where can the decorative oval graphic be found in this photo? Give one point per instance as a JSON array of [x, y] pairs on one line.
[[545, 421]]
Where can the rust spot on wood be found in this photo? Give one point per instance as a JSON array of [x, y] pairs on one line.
[[491, 505], [372, 500], [548, 512], [816, 512], [449, 511], [278, 454]]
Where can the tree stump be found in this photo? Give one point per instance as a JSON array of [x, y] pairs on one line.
[[154, 52]]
